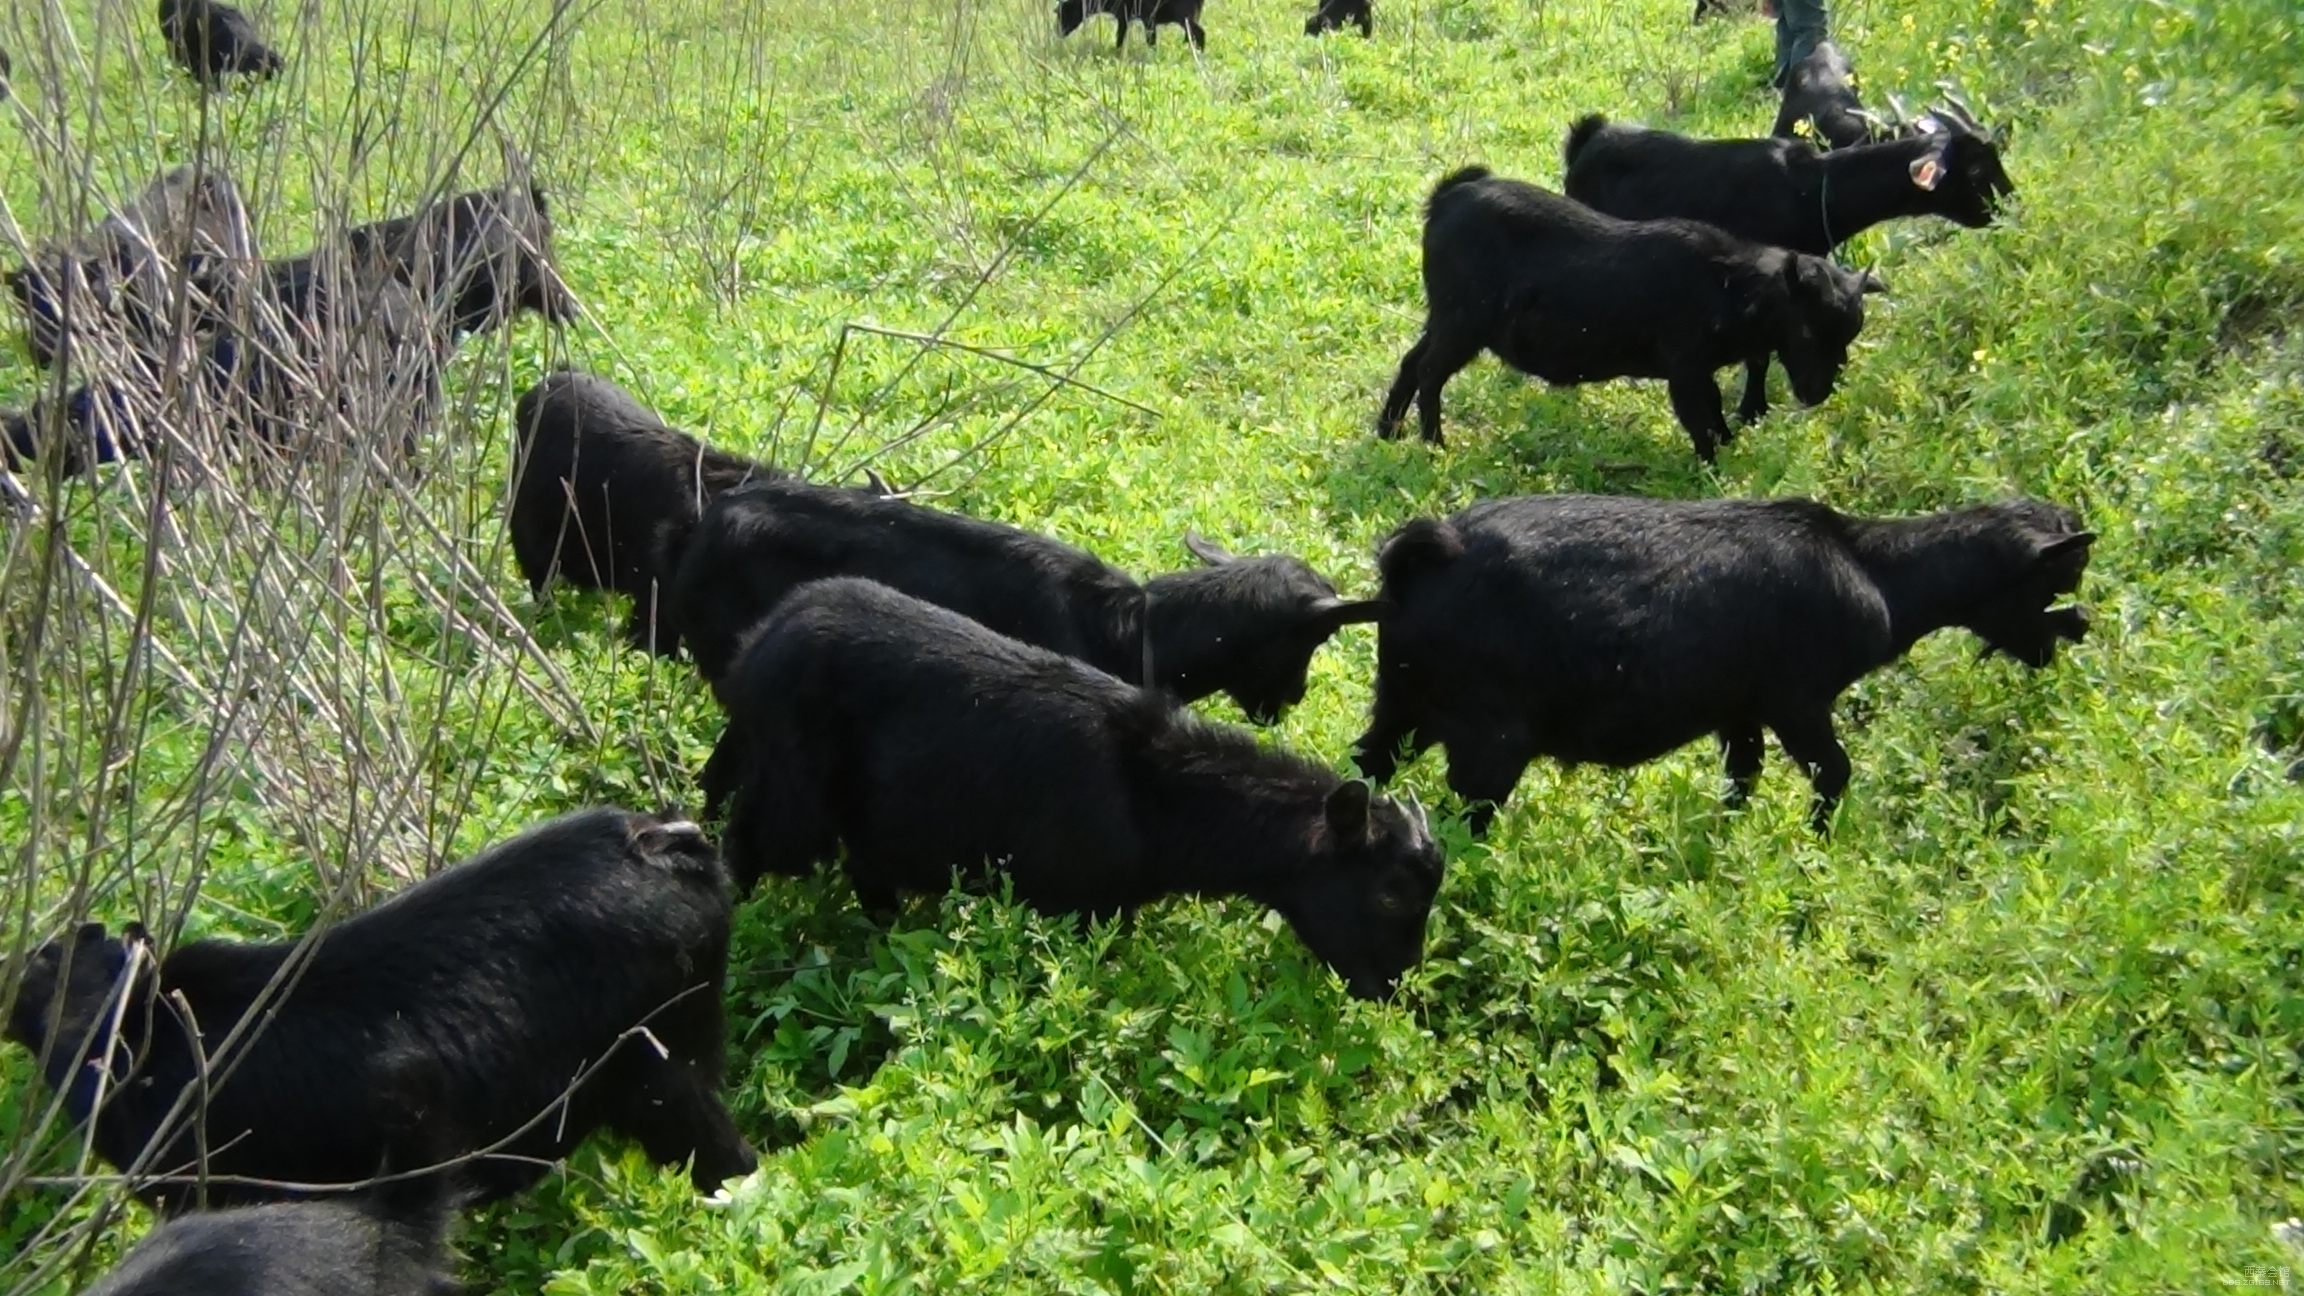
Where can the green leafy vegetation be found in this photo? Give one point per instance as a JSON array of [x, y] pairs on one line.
[[2028, 1021]]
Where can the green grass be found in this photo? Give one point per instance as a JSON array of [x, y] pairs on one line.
[[2028, 1021]]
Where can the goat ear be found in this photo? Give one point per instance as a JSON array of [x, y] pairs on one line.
[[1347, 810], [1928, 170], [89, 933], [1337, 612], [1872, 283], [2077, 542], [1207, 550]]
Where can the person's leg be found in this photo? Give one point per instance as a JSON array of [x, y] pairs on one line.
[[1800, 24]]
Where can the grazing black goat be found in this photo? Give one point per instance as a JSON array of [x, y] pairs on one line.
[[1333, 14], [356, 333], [453, 1020], [214, 41], [474, 259], [1607, 630], [1563, 292], [1820, 90], [373, 1244], [1246, 627], [1182, 13], [605, 495], [924, 743], [1783, 192], [186, 236]]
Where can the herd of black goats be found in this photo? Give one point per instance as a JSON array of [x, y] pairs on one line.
[[914, 693]]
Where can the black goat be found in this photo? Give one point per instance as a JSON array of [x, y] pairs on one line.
[[1563, 292], [1182, 13], [474, 259], [604, 496], [1783, 192], [453, 1020], [5, 70], [1246, 627], [214, 41], [1333, 14], [356, 333], [184, 241], [1820, 90], [924, 743], [1605, 630], [372, 1245]]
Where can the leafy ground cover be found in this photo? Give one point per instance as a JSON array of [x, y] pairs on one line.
[[2028, 1021]]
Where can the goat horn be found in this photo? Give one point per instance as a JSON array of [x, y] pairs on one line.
[[1957, 108]]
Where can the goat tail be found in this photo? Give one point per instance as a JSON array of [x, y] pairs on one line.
[[1460, 176], [1415, 552], [1580, 134]]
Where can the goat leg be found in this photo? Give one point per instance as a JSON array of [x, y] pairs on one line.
[[881, 903], [1696, 401], [1484, 768], [1443, 355], [1754, 406], [1809, 740], [1403, 389], [1744, 750]]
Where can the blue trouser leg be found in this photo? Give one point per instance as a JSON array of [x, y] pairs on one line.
[[1800, 24]]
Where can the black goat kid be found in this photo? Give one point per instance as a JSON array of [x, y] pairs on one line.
[[1563, 292], [924, 743], [447, 1022], [373, 1245], [1783, 193], [1606, 630], [1152, 13], [605, 496], [1333, 14], [214, 41], [1245, 627]]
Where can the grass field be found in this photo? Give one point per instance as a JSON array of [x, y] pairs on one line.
[[2029, 1020]]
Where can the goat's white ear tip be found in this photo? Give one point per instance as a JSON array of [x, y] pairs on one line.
[[1927, 172]]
